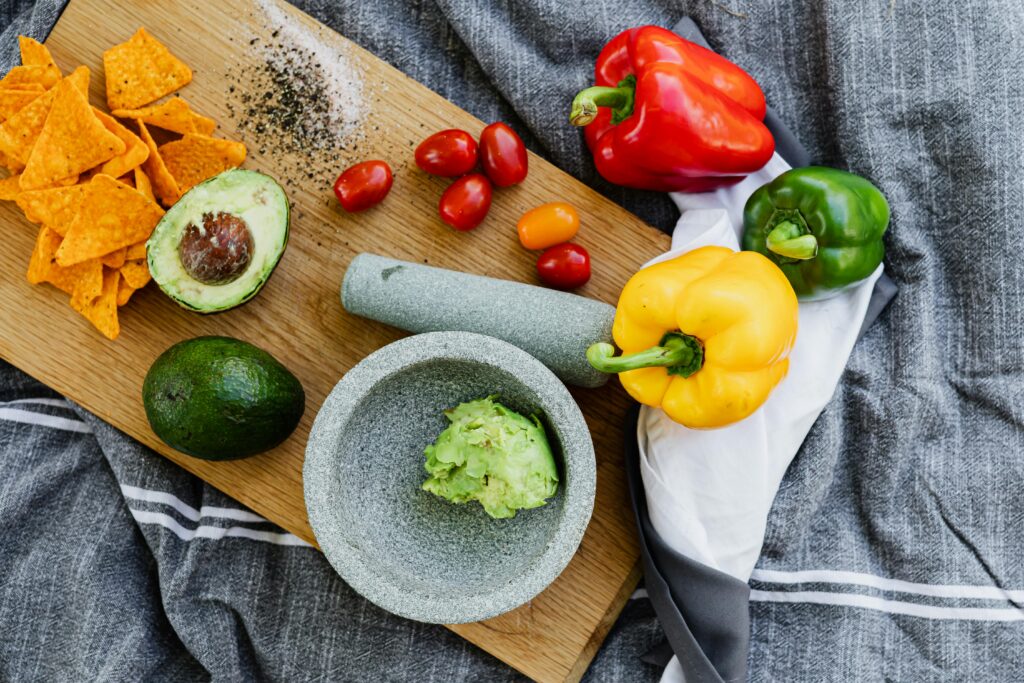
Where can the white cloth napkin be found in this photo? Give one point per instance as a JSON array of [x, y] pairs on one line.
[[709, 491]]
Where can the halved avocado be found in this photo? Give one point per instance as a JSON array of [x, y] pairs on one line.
[[218, 245]]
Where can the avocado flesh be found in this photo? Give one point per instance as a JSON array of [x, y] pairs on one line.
[[255, 198], [494, 455], [219, 398]]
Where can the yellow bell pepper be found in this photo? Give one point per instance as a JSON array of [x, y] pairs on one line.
[[706, 336]]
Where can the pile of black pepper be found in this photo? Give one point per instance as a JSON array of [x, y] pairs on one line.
[[283, 107]]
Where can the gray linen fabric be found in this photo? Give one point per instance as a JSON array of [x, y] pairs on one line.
[[914, 471], [89, 593]]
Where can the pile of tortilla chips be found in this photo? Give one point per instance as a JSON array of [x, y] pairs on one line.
[[93, 184]]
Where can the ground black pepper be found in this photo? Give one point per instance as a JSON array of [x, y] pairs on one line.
[[287, 104]]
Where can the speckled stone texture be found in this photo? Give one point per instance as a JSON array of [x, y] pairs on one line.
[[407, 550], [555, 327]]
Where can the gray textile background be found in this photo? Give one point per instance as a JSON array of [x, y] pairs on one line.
[[915, 471]]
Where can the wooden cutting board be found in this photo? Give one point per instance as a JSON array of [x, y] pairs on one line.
[[298, 318]]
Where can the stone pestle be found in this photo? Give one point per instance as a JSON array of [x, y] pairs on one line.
[[553, 326]]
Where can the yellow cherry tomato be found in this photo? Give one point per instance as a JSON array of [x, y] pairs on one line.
[[548, 225]]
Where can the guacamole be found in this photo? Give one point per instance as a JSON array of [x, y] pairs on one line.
[[493, 455]]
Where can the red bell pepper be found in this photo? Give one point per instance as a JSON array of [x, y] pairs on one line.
[[669, 115]]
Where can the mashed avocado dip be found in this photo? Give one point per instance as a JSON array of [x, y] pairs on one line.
[[492, 455]]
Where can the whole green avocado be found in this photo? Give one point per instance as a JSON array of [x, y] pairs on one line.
[[219, 398]]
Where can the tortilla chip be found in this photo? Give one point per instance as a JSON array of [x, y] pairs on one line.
[[73, 140], [136, 273], [174, 115], [136, 251], [102, 311], [135, 151], [194, 158], [140, 71], [124, 292], [67, 279], [12, 166], [142, 183], [46, 76], [111, 215], [55, 208], [24, 87], [34, 53], [42, 260], [80, 79], [164, 185], [114, 259], [63, 182], [9, 188], [43, 265], [13, 100], [19, 133], [89, 284]]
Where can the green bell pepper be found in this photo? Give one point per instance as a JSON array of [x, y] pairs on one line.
[[823, 227]]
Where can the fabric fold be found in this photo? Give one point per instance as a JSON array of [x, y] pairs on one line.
[[702, 498], [703, 611]]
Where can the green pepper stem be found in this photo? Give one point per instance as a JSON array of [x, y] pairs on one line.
[[620, 99], [680, 354], [788, 240]]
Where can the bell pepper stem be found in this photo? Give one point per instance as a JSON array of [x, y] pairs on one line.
[[787, 240], [680, 354], [619, 99]]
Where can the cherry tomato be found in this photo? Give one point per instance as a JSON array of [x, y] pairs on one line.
[[363, 185], [503, 155], [547, 225], [450, 153], [564, 266], [465, 203]]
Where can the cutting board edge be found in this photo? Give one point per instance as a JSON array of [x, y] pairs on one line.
[[600, 634]]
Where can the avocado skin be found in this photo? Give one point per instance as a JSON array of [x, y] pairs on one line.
[[219, 398]]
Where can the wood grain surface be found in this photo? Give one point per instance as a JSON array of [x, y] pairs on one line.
[[298, 318]]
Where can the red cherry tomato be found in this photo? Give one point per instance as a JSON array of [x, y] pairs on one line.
[[363, 185], [450, 153], [465, 203], [503, 155], [564, 266]]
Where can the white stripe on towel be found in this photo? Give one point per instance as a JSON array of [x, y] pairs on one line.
[[55, 402], [214, 532], [911, 609], [43, 420], [163, 498], [895, 585]]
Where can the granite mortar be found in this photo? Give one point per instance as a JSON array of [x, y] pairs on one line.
[[407, 550]]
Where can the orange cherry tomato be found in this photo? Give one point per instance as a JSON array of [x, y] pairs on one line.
[[548, 225]]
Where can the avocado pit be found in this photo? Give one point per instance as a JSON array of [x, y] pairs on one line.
[[219, 251]]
